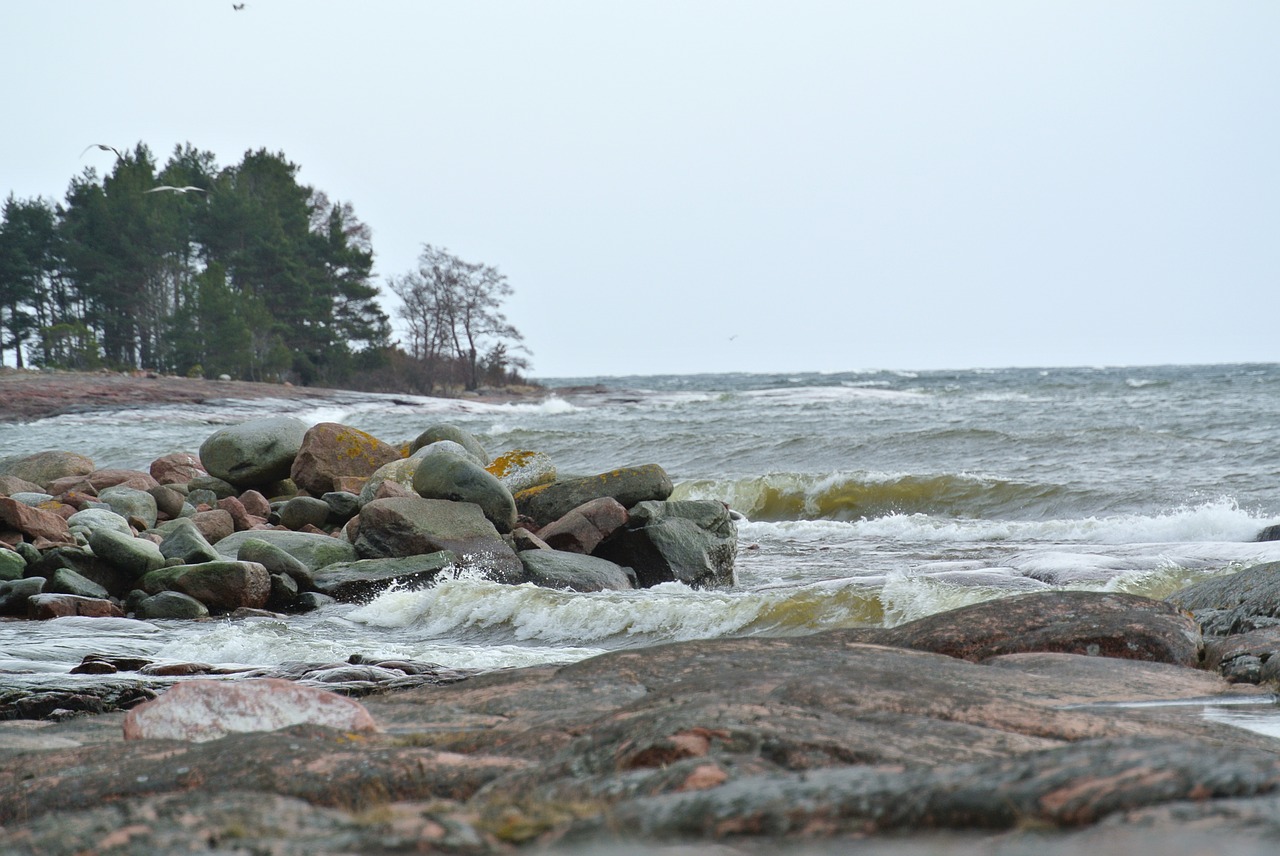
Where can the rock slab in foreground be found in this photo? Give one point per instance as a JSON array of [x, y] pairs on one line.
[[206, 710]]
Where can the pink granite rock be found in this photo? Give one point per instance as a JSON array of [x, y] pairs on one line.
[[200, 710]]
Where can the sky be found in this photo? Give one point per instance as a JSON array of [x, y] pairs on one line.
[[687, 186]]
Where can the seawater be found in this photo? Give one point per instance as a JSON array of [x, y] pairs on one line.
[[870, 498]]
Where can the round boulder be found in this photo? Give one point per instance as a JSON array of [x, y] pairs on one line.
[[446, 431], [459, 480], [253, 453]]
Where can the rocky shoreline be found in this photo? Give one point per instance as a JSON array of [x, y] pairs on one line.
[[1066, 721]]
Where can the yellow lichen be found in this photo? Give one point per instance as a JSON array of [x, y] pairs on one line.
[[505, 464]]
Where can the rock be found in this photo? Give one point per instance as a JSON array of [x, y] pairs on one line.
[[456, 479], [223, 586], [34, 523], [276, 560], [331, 451], [520, 469], [220, 488], [171, 604], [254, 453], [200, 710], [397, 472], [34, 499], [284, 590], [42, 607], [523, 539], [176, 468], [690, 541], [182, 540], [168, 502], [214, 524], [255, 504], [1251, 657], [313, 551], [241, 519], [554, 569], [91, 519], [1234, 603], [583, 528], [12, 564], [411, 526], [454, 434], [67, 581], [133, 556], [83, 562], [629, 485], [15, 594], [366, 578], [343, 505], [100, 480], [9, 485], [43, 468], [303, 510], [131, 502]]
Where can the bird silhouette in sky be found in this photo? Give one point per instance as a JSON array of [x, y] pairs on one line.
[[105, 148], [237, 6], [187, 189]]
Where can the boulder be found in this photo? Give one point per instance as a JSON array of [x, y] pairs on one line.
[[582, 530], [254, 453], [520, 469], [256, 504], [12, 564], [67, 581], [554, 569], [628, 485], [100, 480], [133, 556], [690, 541], [200, 710], [34, 523], [170, 604], [241, 519], [176, 468], [14, 594], [276, 560], [343, 505], [92, 519], [223, 586], [182, 540], [367, 578], [9, 485], [168, 502], [1098, 624], [220, 488], [42, 607], [132, 503], [1234, 603], [456, 479], [84, 563], [35, 499], [302, 511], [43, 468], [313, 551], [412, 526], [331, 451], [398, 472], [454, 434]]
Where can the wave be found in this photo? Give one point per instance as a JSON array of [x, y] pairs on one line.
[[861, 496]]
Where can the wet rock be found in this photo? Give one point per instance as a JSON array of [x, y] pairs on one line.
[[691, 541], [412, 526], [312, 550], [206, 710], [628, 485], [449, 477], [1234, 603], [451, 433], [582, 530], [254, 453], [331, 451], [366, 578], [573, 571], [223, 586]]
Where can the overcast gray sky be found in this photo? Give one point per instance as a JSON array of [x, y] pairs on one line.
[[693, 186]]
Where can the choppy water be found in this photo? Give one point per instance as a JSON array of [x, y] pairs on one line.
[[871, 498]]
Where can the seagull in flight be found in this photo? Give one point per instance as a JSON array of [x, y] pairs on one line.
[[187, 189], [237, 6], [105, 148]]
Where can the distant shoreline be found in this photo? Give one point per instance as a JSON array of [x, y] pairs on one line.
[[28, 395]]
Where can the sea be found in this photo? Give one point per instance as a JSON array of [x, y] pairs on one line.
[[867, 498]]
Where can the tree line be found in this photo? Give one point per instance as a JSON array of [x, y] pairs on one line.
[[198, 270]]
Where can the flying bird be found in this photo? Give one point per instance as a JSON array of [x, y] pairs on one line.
[[237, 6], [186, 189], [105, 148]]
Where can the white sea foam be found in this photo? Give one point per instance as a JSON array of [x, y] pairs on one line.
[[832, 394]]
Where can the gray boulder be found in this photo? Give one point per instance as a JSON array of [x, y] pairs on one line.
[[411, 526], [398, 472], [171, 604], [254, 453], [222, 586], [134, 556], [314, 551], [183, 541], [446, 431], [366, 578], [1234, 603], [628, 485], [276, 560], [691, 541], [31, 498], [555, 569], [130, 502], [92, 519], [303, 511], [43, 468], [456, 479]]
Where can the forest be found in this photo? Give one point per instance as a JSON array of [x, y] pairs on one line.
[[199, 270]]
